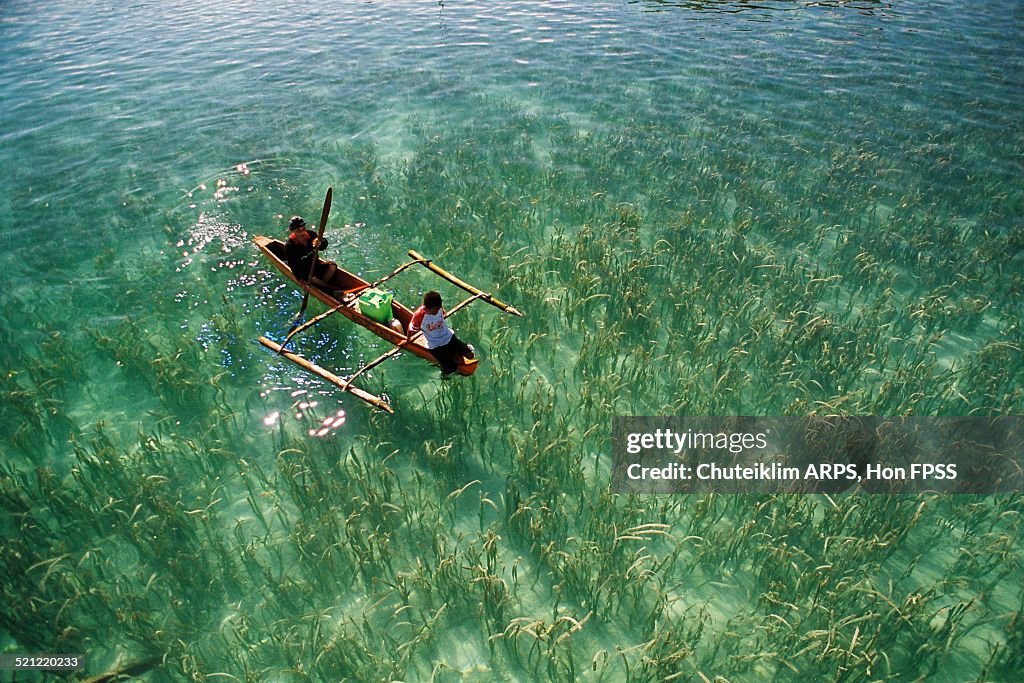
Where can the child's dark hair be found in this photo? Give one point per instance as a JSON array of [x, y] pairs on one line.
[[432, 299]]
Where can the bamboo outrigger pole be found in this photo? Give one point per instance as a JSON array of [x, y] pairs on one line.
[[463, 285], [346, 385]]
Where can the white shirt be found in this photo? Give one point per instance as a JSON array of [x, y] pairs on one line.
[[435, 329]]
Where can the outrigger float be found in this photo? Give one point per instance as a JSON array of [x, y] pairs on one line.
[[346, 294]]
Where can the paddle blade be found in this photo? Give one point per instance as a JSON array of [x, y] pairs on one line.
[[324, 215]]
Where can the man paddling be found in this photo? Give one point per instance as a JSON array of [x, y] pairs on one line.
[[441, 340], [300, 251]]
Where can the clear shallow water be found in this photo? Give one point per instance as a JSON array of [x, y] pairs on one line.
[[706, 208]]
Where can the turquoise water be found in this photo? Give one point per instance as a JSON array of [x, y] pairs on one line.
[[703, 208]]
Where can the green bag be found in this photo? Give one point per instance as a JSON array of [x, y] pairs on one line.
[[376, 305]]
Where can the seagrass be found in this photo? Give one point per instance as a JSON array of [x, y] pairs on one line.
[[482, 517]]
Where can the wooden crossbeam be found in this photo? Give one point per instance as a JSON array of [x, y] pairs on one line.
[[346, 300], [398, 349]]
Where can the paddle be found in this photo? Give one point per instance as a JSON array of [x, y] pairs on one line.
[[312, 264]]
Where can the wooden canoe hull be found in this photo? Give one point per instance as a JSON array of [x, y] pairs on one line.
[[346, 283]]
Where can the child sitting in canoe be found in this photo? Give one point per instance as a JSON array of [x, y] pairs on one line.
[[441, 340], [301, 250]]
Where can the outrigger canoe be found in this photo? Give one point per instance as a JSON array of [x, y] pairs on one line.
[[342, 297]]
